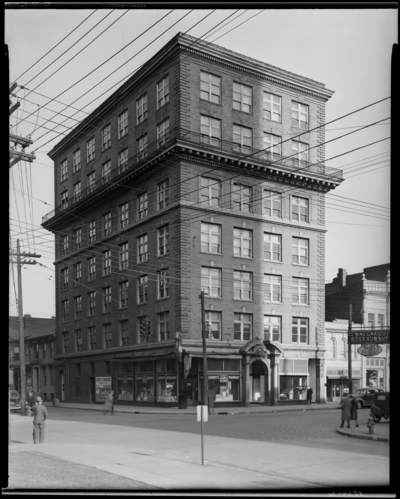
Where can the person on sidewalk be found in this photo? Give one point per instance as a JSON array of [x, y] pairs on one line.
[[31, 401], [354, 414], [309, 395], [346, 411], [39, 417], [109, 403]]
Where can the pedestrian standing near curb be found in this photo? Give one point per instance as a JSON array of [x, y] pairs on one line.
[[346, 411], [109, 403], [309, 395], [354, 412], [39, 417], [30, 403]]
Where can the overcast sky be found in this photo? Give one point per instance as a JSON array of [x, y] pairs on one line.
[[347, 50]]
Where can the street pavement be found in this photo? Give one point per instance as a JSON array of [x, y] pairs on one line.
[[172, 460]]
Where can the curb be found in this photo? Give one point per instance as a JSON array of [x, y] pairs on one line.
[[363, 437]]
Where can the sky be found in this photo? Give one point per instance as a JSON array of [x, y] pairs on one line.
[[347, 50]]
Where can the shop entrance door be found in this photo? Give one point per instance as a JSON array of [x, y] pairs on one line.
[[192, 392]]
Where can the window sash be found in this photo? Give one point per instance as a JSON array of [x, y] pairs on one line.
[[106, 137], [300, 150], [106, 172], [210, 238], [215, 321], [242, 285], [242, 243], [210, 87], [64, 170], [241, 198], [272, 328], [299, 115], [107, 224], [142, 286], [300, 209], [163, 194], [123, 124], [142, 206], [90, 150], [91, 181], [163, 236], [272, 107], [211, 279], [272, 288], [162, 133], [124, 215], [272, 203], [272, 145], [210, 130], [300, 251], [123, 294], [163, 283], [107, 262], [242, 97], [141, 109], [299, 330], [272, 247], [76, 161], [123, 160], [162, 92], [300, 287], [77, 191], [124, 256], [210, 191], [142, 249], [163, 325], [242, 327], [142, 150], [242, 138]]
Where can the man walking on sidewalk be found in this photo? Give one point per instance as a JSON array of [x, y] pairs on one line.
[[39, 417], [346, 411]]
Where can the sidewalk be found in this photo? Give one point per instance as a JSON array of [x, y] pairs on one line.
[[381, 432]]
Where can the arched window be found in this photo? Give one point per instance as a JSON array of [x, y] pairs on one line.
[[355, 354], [344, 353], [334, 351], [16, 353]]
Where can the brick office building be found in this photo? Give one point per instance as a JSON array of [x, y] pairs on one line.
[[181, 181]]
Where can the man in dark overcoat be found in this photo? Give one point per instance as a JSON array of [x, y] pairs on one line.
[[309, 395], [31, 401], [346, 411], [39, 417]]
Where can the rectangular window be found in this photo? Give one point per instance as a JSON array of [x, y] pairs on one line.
[[299, 330], [64, 279], [76, 161], [211, 281], [107, 262], [242, 285], [123, 160], [241, 198], [299, 153], [163, 326], [64, 200], [123, 294], [300, 291], [142, 150], [142, 249], [123, 256], [90, 149], [91, 182], [142, 289], [163, 194], [92, 303], [78, 340], [92, 337], [123, 333], [242, 327], [371, 320], [163, 133], [210, 131], [141, 109], [300, 251], [107, 224], [123, 124], [106, 172], [163, 283], [92, 231], [162, 239], [272, 145], [106, 137], [107, 299], [162, 92], [107, 335], [78, 307], [123, 215], [78, 272], [91, 268], [211, 238], [65, 342], [299, 115], [242, 96], [210, 191], [242, 139], [272, 328], [243, 243], [381, 320], [78, 238], [65, 245], [210, 87], [272, 288], [142, 206], [300, 209], [214, 320], [272, 203], [272, 107], [77, 191], [65, 310], [64, 170]]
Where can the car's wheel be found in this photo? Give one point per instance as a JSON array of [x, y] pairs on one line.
[[377, 418], [359, 404]]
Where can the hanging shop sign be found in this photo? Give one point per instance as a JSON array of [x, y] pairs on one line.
[[369, 349], [376, 336]]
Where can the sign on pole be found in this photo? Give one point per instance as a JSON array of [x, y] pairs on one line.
[[377, 336], [202, 415]]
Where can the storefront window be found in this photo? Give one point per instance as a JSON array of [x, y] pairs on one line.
[[167, 388], [293, 387], [125, 387], [145, 367], [145, 388], [225, 387], [166, 365], [124, 367]]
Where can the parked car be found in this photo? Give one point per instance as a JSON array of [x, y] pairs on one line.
[[365, 397], [15, 401], [381, 407]]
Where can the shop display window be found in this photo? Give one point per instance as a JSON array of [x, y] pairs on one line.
[[145, 388], [125, 387], [293, 387], [166, 365], [225, 387], [146, 366], [167, 388]]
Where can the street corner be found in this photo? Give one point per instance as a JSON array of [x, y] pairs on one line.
[[363, 434]]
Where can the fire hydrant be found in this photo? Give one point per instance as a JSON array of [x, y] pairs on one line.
[[371, 424]]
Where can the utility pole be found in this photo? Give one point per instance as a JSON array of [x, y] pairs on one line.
[[14, 154], [19, 263], [203, 335], [349, 352]]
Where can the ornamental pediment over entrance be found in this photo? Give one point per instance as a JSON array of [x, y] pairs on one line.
[[259, 348]]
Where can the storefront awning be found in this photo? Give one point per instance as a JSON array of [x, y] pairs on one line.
[[144, 357], [214, 355], [336, 376]]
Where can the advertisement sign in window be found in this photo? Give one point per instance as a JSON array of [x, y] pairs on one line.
[[125, 387], [103, 387], [225, 386], [145, 388], [167, 388]]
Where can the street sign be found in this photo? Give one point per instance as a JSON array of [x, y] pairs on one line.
[[377, 336], [202, 413]]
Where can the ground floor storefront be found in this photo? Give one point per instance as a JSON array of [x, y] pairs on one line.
[[253, 373]]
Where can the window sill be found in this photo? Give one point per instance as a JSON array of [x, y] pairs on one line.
[[210, 253], [243, 257], [301, 304], [272, 121], [210, 102], [142, 122], [163, 255], [162, 299], [273, 261], [301, 264]]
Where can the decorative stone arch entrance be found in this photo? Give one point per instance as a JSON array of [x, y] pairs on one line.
[[260, 360]]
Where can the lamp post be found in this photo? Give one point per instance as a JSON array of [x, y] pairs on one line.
[[204, 329]]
